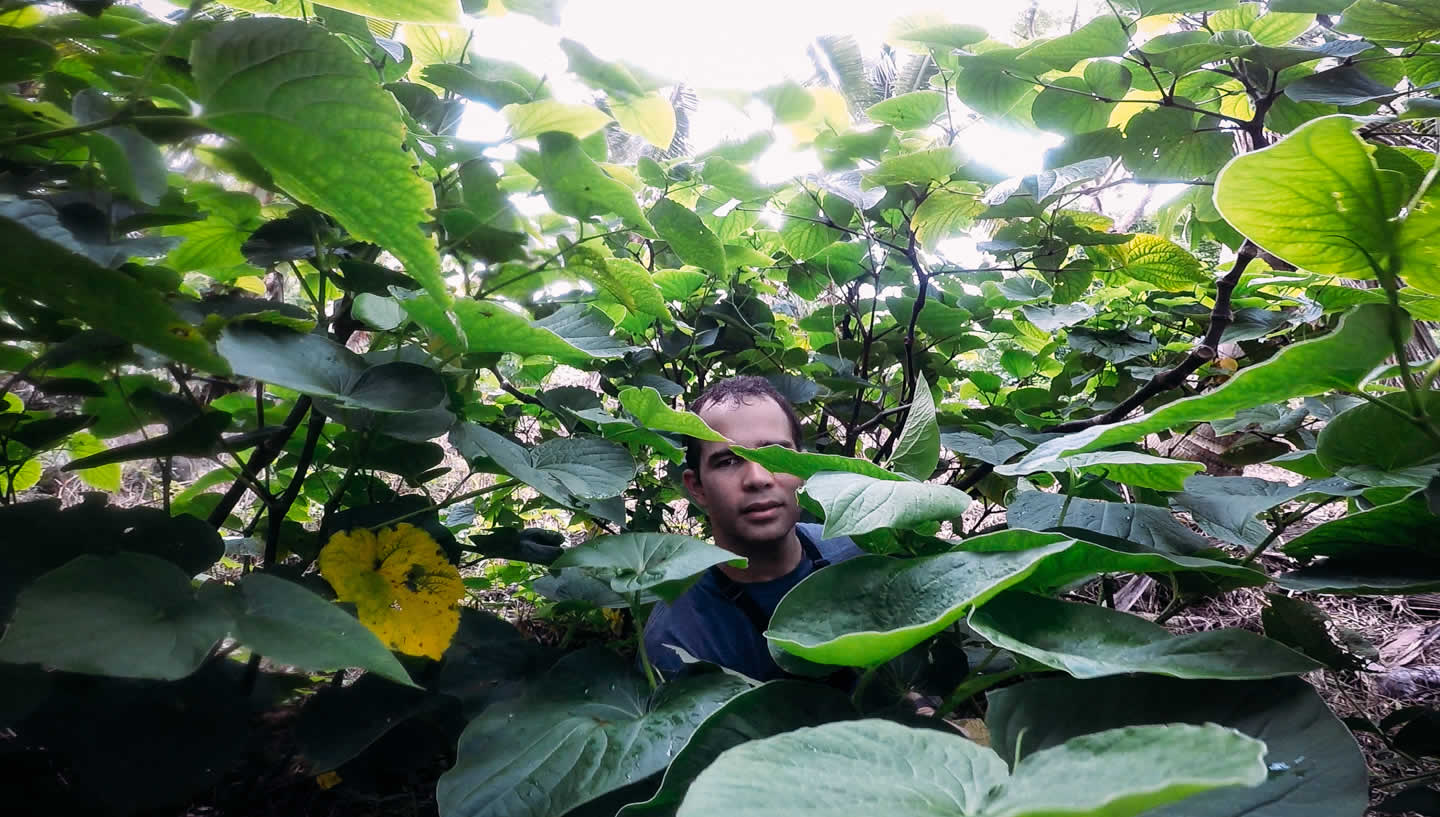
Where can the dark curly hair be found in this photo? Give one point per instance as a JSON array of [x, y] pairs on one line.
[[736, 390]]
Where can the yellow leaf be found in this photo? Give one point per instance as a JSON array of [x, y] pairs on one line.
[[830, 113], [1122, 113], [104, 477], [650, 117], [404, 589], [22, 17], [327, 780], [533, 118], [431, 44], [250, 283]]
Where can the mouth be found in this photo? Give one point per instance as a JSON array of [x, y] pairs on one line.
[[759, 511]]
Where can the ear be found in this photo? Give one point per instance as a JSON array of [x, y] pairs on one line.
[[695, 487]]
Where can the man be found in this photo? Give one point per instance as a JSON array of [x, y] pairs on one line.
[[753, 513]]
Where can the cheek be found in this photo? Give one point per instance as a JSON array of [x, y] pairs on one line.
[[789, 482]]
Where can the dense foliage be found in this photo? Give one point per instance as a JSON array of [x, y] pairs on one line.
[[249, 237]]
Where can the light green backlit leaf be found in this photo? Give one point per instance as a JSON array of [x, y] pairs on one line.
[[303, 103], [856, 504]]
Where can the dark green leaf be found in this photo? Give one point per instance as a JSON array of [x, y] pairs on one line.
[[1089, 641], [291, 625], [1341, 360], [688, 236], [576, 186], [129, 615], [1314, 764], [104, 298], [589, 728], [917, 772], [632, 562], [917, 450]]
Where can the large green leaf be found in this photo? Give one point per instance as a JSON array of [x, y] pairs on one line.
[[572, 334], [1084, 560], [291, 625], [1129, 467], [575, 186], [944, 214], [614, 78], [587, 729], [315, 365], [129, 615], [1343, 86], [304, 104], [1157, 261], [1105, 36], [212, 245], [875, 764], [1369, 435], [633, 562], [806, 231], [622, 279], [106, 299], [918, 450], [1333, 209], [688, 236], [1147, 525], [980, 448], [911, 111], [806, 464], [400, 11], [1341, 360], [857, 503], [651, 117], [1418, 241], [570, 470], [479, 86], [1406, 21], [649, 409], [548, 115], [890, 605], [1089, 641], [920, 167], [1226, 507], [770, 709], [1314, 765], [1387, 549]]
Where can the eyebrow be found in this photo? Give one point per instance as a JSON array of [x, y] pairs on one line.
[[790, 444]]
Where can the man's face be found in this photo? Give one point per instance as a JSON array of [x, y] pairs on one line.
[[748, 506]]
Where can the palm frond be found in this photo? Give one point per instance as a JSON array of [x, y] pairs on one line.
[[685, 102], [915, 74], [839, 64]]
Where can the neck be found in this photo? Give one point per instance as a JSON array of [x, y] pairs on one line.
[[768, 560]]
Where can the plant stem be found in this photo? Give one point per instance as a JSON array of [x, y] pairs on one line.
[[973, 685], [1409, 778], [445, 504], [857, 695], [634, 601], [119, 118]]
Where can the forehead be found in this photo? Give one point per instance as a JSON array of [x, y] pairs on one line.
[[754, 423]]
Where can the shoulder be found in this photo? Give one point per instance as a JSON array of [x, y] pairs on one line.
[[836, 550], [682, 621]]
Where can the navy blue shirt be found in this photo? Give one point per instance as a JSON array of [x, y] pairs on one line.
[[706, 624]]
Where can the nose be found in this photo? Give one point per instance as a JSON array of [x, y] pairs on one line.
[[757, 477]]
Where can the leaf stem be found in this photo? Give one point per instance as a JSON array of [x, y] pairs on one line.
[[478, 492], [633, 600], [120, 118], [857, 695], [973, 685]]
